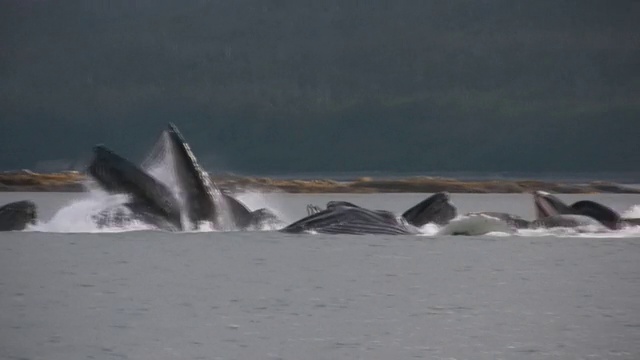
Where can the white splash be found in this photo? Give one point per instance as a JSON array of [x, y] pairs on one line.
[[429, 229], [475, 225], [254, 200], [632, 212], [78, 216]]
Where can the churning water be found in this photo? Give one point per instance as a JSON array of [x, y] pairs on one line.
[[69, 290]]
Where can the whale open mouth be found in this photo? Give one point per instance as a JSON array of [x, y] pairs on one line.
[[436, 209], [548, 205], [150, 197]]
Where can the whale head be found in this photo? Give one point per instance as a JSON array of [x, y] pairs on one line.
[[603, 214], [436, 209], [17, 215], [548, 205]]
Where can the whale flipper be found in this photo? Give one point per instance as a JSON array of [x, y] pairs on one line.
[[313, 209], [17, 215]]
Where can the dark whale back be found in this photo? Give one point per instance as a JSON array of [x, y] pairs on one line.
[[603, 214], [339, 219], [342, 217], [436, 209], [118, 175], [17, 215], [384, 215]]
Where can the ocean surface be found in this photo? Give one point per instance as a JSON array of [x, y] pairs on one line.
[[71, 291]]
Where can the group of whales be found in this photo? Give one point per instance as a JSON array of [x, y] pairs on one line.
[[342, 217], [193, 199]]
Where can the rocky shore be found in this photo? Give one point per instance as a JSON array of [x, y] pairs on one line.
[[74, 182]]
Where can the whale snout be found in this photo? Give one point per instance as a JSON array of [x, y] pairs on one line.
[[17, 215], [548, 205]]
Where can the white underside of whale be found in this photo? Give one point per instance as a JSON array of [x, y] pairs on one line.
[[474, 225]]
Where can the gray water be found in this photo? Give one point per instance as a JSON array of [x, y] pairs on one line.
[[268, 295]]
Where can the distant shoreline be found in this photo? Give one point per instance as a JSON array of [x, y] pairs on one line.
[[28, 181]]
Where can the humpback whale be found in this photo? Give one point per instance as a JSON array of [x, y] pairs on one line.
[[436, 209], [203, 200], [550, 209], [17, 215], [151, 201], [551, 212], [163, 205], [341, 217]]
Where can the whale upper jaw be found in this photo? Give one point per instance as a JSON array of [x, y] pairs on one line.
[[205, 201], [548, 205], [436, 209], [149, 197], [190, 192]]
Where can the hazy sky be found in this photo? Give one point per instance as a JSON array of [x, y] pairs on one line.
[[274, 86]]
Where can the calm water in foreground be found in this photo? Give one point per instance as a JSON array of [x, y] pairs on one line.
[[68, 291]]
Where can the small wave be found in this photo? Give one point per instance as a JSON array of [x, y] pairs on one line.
[[581, 231]]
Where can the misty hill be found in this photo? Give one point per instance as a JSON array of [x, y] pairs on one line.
[[277, 85]]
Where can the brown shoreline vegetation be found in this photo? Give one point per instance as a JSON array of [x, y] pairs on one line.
[[74, 182]]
